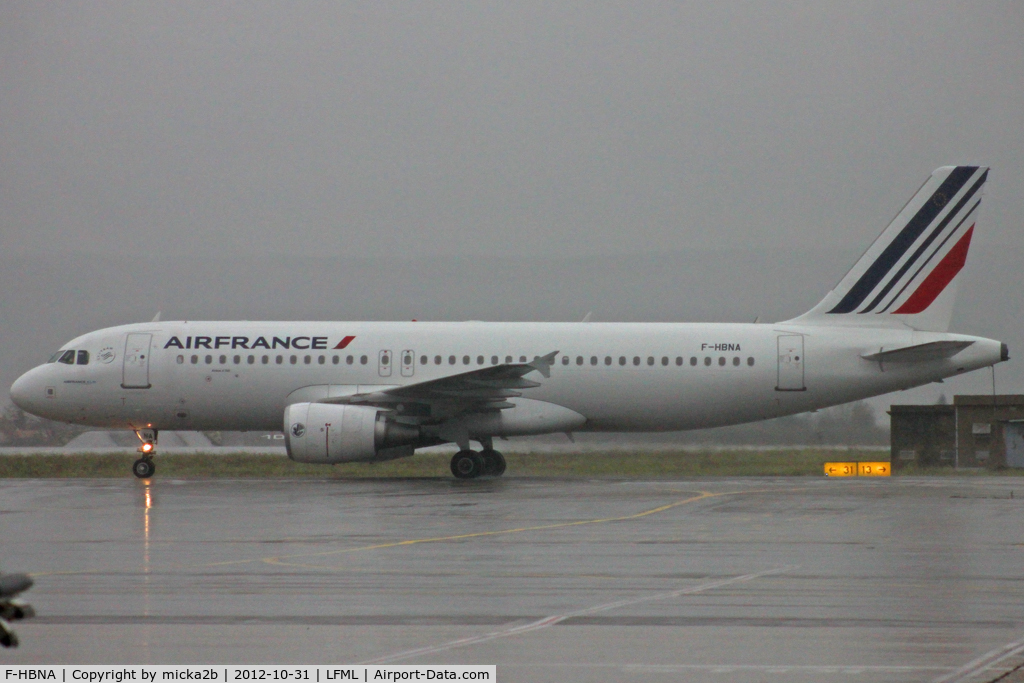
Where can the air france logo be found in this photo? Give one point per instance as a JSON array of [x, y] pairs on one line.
[[239, 342]]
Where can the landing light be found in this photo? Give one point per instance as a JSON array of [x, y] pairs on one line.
[[146, 447]]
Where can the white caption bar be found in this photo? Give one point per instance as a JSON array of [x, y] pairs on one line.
[[234, 673]]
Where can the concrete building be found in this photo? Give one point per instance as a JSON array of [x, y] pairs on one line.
[[976, 431]]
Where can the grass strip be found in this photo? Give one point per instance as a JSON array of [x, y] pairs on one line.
[[646, 464]]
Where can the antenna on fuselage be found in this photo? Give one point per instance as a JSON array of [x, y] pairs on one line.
[[156, 318]]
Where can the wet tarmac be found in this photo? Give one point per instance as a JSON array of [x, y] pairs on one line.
[[550, 579]]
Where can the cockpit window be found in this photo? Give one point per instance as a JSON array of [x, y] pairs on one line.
[[67, 357], [54, 357], [83, 357]]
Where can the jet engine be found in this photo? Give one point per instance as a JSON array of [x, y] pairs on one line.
[[327, 433]]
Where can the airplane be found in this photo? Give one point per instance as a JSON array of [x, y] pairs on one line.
[[373, 391], [13, 608]]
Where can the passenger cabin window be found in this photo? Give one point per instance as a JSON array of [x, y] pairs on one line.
[[68, 358], [363, 360], [83, 357], [181, 359], [508, 359], [423, 360], [565, 360], [522, 359], [750, 361], [494, 360], [195, 359], [579, 360]]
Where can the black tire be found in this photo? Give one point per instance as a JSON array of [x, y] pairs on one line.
[[467, 465], [494, 463], [143, 468]]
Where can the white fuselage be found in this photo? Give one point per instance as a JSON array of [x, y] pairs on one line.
[[619, 376]]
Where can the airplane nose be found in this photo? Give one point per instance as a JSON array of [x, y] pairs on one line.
[[22, 392]]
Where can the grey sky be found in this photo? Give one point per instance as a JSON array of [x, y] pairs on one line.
[[424, 129], [532, 131]]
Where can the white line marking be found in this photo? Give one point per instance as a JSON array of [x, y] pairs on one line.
[[556, 618], [983, 663]]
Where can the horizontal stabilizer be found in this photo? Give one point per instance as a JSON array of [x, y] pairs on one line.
[[919, 353]]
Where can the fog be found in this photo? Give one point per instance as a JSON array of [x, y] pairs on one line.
[[522, 161]]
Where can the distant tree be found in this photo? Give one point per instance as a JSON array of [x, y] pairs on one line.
[[18, 428]]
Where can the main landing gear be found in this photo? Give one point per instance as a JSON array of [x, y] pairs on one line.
[[143, 468], [467, 464]]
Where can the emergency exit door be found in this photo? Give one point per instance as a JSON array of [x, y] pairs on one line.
[[135, 373], [408, 363], [384, 363], [791, 363]]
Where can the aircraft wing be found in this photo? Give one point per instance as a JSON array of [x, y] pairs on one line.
[[482, 388], [918, 353]]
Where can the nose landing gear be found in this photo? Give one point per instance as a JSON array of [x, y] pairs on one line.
[[143, 468]]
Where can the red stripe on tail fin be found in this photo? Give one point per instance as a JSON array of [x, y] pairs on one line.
[[937, 280]]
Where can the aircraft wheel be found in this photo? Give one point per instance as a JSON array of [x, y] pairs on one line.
[[8, 638], [494, 463], [143, 468], [467, 465]]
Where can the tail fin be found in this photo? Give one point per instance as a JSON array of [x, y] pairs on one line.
[[906, 278]]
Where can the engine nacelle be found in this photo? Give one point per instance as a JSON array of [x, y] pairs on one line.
[[327, 433]]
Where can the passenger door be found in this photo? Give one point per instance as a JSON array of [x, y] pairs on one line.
[[135, 373], [791, 363]]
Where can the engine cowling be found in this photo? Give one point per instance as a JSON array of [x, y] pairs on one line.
[[327, 433]]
